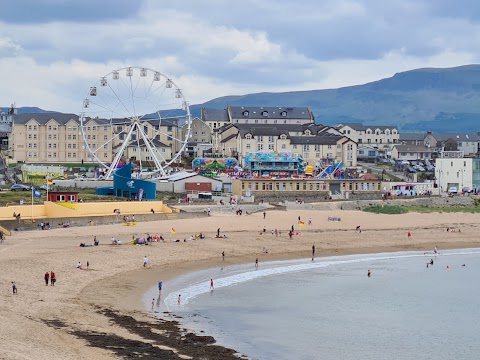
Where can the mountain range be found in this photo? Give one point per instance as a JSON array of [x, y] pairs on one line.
[[441, 100]]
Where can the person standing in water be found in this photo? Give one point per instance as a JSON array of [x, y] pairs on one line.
[[179, 299], [313, 251], [223, 255], [256, 263], [160, 284], [369, 274], [211, 284]]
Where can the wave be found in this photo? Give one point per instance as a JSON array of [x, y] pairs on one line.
[[203, 287]]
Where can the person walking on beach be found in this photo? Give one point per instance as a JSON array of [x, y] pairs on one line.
[[264, 214], [14, 287], [179, 299], [218, 232], [223, 255], [53, 278], [88, 264], [46, 277], [153, 304], [211, 284], [309, 221], [256, 263], [313, 251], [409, 234], [160, 284], [145, 261], [435, 250], [369, 273], [299, 220]]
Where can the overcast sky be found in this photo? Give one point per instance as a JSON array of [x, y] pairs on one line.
[[51, 51]]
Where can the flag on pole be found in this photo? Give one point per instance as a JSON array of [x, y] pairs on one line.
[[173, 231], [36, 194]]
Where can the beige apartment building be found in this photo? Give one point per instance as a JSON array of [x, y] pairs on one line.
[[317, 144], [57, 138]]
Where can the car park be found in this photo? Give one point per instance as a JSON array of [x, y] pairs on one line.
[[20, 187]]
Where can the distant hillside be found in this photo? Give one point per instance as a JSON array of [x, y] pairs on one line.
[[444, 100], [26, 110]]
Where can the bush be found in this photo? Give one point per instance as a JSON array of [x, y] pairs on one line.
[[386, 209]]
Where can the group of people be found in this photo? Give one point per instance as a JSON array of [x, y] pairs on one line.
[[50, 276], [44, 225]]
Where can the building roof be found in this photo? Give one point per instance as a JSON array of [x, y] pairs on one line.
[[411, 137], [229, 137], [43, 118], [218, 115], [184, 175], [471, 137], [327, 139], [276, 129], [62, 119], [361, 127], [141, 143], [412, 148], [290, 113]]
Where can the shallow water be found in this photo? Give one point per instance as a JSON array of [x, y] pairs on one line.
[[330, 309]]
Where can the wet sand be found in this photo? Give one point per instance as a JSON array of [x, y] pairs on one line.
[[99, 313]]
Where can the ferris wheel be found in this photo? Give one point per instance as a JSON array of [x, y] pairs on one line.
[[137, 115]]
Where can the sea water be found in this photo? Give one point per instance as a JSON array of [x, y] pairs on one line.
[[331, 309]]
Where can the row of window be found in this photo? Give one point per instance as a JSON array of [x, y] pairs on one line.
[[264, 113], [378, 141], [307, 186], [53, 155]]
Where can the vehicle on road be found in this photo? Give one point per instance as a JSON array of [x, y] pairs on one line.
[[20, 187]]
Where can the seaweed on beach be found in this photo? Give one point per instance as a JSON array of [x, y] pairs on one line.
[[159, 335], [168, 333]]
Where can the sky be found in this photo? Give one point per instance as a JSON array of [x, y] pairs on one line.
[[52, 51]]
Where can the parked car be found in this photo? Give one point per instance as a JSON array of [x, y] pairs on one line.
[[452, 190], [411, 170], [20, 187]]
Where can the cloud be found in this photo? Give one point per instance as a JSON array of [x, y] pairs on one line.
[[53, 52]]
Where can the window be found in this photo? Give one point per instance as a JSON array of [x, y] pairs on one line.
[[284, 146], [248, 136], [105, 128], [248, 146], [69, 146], [169, 128], [306, 147], [317, 155], [105, 137], [264, 113], [271, 147], [283, 113], [29, 146], [49, 136], [306, 155], [260, 138], [49, 127], [29, 136], [259, 147], [74, 137], [283, 137], [317, 147], [105, 155], [350, 147], [329, 146], [270, 139], [295, 146]]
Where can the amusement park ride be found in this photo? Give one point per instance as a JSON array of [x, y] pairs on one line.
[[135, 105]]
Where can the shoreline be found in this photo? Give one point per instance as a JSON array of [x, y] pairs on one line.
[[100, 313]]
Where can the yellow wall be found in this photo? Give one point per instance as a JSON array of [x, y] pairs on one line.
[[52, 210]]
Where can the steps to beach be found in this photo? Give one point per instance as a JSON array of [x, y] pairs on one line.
[[172, 216]]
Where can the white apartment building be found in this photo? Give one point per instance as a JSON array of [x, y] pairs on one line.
[[457, 173], [382, 137]]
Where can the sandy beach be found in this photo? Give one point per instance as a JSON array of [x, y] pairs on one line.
[[52, 322]]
